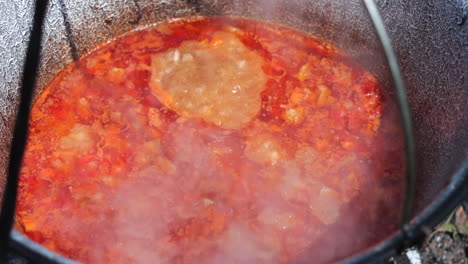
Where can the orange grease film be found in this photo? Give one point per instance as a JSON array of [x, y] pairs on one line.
[[211, 140]]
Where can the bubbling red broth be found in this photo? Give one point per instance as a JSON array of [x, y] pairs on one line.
[[211, 140]]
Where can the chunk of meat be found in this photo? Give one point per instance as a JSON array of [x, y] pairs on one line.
[[326, 207], [219, 81]]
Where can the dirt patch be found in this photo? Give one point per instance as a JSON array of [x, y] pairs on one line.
[[442, 248], [448, 244]]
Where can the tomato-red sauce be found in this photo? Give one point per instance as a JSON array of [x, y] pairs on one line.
[[211, 140]]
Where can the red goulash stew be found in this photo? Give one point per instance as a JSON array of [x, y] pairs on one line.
[[211, 140]]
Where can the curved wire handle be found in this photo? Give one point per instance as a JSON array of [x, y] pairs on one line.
[[403, 106]]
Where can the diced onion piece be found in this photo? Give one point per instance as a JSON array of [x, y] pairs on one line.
[[324, 97], [153, 117], [207, 202]]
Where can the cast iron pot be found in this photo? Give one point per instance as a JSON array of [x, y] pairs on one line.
[[430, 38]]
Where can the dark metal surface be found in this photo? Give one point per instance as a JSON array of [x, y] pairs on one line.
[[405, 115], [429, 36], [20, 130], [431, 43], [34, 253]]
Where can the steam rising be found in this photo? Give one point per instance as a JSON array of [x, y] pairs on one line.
[[188, 188], [166, 217]]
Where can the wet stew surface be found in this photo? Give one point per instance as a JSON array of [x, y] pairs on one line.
[[211, 140]]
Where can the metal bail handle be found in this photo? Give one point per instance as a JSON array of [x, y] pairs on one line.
[[403, 107], [20, 132]]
